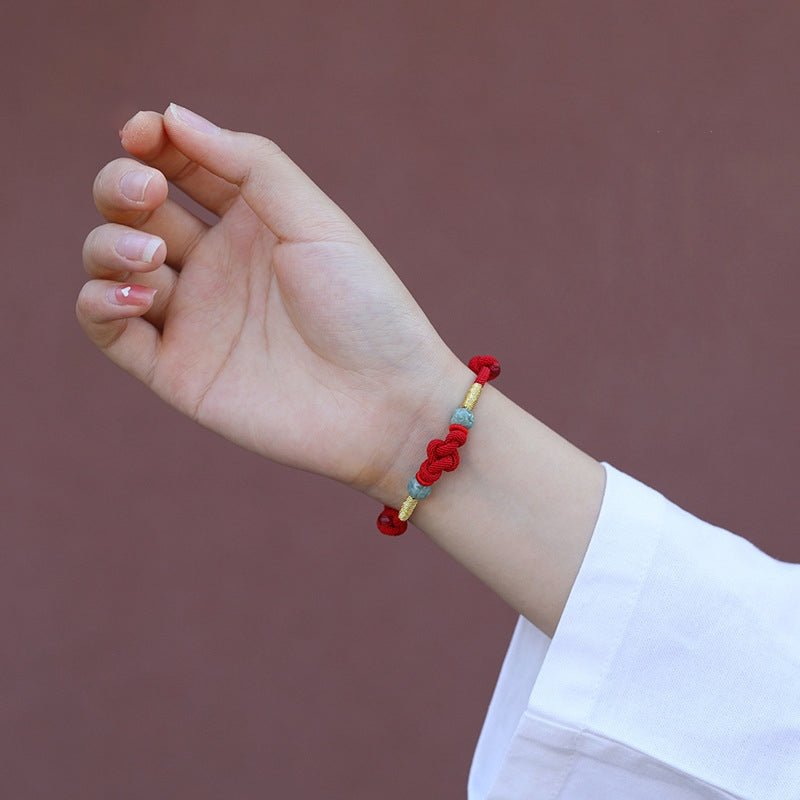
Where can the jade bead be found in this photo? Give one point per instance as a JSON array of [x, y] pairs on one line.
[[462, 416], [418, 490]]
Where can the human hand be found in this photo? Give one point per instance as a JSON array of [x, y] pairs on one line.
[[279, 326]]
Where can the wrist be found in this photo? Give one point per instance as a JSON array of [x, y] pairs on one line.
[[519, 510], [426, 404]]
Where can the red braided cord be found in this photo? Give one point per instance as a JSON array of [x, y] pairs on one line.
[[442, 453], [389, 523], [487, 368]]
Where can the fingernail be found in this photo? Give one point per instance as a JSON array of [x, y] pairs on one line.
[[133, 184], [137, 246], [193, 120], [131, 294]]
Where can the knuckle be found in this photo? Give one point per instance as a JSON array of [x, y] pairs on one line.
[[269, 147], [103, 187], [101, 331], [97, 186], [110, 334], [87, 252], [83, 306], [186, 171], [84, 300], [99, 258], [261, 150], [264, 148], [92, 245], [259, 145]]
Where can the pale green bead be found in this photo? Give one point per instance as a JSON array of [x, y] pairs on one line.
[[418, 490], [462, 416]]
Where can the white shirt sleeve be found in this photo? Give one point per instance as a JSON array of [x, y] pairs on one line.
[[674, 673]]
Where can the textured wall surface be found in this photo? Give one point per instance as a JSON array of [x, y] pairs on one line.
[[604, 195]]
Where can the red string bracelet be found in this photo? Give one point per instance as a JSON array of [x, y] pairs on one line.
[[442, 453]]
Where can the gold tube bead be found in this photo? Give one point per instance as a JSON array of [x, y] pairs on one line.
[[409, 504], [472, 396]]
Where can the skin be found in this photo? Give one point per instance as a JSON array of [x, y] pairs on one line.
[[282, 328]]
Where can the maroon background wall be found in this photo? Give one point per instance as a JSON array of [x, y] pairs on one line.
[[605, 195]]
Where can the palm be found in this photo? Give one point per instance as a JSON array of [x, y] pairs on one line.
[[278, 344]]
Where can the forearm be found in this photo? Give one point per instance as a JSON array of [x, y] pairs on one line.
[[520, 509]]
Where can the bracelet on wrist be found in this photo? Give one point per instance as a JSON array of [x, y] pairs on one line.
[[442, 454]]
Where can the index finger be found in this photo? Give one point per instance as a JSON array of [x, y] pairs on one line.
[[145, 137], [286, 200]]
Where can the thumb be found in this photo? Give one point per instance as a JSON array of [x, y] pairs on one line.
[[285, 199]]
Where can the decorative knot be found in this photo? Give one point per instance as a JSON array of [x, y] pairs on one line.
[[487, 368], [389, 523], [442, 455]]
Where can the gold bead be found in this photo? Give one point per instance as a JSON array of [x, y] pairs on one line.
[[472, 396], [409, 504]]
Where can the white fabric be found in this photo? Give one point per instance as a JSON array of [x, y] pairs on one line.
[[674, 673]]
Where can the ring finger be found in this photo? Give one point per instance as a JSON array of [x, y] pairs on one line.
[[118, 253]]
